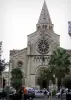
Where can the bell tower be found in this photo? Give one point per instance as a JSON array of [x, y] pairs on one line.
[[44, 21], [40, 45]]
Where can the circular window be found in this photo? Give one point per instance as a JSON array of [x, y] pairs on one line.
[[43, 46], [19, 63]]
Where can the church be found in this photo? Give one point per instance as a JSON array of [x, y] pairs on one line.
[[40, 45]]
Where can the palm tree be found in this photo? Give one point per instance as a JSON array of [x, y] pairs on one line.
[[60, 64]]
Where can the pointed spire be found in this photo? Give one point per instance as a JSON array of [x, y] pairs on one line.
[[44, 16]]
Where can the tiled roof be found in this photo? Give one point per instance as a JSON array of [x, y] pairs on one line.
[[13, 52]]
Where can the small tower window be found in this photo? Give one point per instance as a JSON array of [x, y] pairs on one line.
[[38, 27], [45, 26], [44, 18], [50, 27]]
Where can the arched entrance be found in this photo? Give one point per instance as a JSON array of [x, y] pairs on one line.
[[41, 83], [44, 84]]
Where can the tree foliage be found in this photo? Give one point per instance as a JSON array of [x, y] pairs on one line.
[[17, 76], [60, 64], [2, 66], [46, 75]]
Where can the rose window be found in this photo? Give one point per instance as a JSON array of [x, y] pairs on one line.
[[43, 46]]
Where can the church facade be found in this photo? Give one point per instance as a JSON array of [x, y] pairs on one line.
[[40, 45]]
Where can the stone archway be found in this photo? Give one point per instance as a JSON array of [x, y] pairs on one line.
[[38, 70]]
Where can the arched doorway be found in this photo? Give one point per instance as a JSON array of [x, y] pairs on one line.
[[41, 83], [44, 84]]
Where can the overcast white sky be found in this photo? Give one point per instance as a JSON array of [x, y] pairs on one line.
[[18, 18]]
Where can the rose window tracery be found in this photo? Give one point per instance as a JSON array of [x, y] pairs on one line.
[[43, 46]]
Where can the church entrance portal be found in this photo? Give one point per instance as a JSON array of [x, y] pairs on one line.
[[42, 84]]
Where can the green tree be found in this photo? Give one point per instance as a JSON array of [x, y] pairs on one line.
[[60, 64], [2, 63], [46, 75], [17, 76], [2, 68]]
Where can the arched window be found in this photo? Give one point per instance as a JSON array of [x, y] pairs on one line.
[[50, 27], [45, 26], [19, 63], [38, 27]]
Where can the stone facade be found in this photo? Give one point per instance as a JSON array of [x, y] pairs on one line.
[[40, 45]]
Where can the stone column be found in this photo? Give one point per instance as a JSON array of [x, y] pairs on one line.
[[28, 71]]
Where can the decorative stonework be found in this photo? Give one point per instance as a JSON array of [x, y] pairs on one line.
[[42, 46], [43, 34]]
